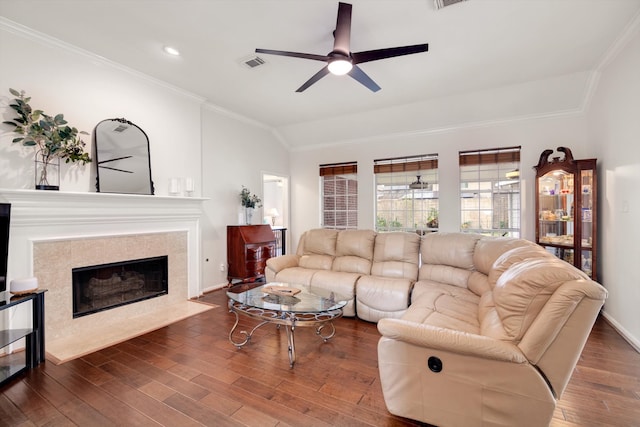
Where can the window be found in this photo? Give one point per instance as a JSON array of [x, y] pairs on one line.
[[407, 193], [339, 188], [490, 191]]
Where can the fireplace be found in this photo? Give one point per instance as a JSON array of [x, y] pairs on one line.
[[102, 287]]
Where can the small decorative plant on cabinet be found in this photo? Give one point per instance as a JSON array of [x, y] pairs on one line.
[[249, 202], [52, 138]]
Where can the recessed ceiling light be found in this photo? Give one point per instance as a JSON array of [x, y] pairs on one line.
[[171, 51]]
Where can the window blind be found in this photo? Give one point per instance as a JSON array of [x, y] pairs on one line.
[[339, 169], [406, 164]]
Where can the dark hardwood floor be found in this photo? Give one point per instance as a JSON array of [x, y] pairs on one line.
[[188, 374]]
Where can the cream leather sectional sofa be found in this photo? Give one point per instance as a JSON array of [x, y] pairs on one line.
[[475, 330]]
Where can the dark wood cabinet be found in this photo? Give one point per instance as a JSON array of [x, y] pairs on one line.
[[248, 249], [566, 207]]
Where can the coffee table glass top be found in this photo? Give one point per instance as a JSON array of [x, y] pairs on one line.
[[308, 300]]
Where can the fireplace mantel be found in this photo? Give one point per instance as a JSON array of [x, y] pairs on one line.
[[54, 215], [52, 208]]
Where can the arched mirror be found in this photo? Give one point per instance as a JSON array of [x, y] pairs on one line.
[[122, 157]]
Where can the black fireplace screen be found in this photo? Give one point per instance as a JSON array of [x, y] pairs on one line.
[[101, 287]]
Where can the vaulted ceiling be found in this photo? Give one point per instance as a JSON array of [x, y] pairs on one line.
[[474, 46]]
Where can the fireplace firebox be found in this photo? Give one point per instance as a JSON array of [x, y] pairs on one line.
[[101, 287]]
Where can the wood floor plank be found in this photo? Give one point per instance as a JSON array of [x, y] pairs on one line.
[[189, 374], [153, 408]]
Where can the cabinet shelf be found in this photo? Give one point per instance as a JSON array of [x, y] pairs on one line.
[[566, 205], [12, 364], [10, 336]]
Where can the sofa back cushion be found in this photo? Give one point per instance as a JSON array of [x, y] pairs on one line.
[[396, 255], [453, 249], [317, 249], [525, 287], [320, 241], [354, 251], [489, 249], [513, 256]]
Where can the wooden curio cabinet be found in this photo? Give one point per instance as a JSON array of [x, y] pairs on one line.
[[566, 208], [248, 249]]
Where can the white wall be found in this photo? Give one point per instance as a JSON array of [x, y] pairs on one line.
[[534, 135], [614, 133], [88, 89], [186, 136], [236, 152]]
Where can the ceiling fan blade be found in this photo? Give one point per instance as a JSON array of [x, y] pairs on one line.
[[362, 77], [294, 54], [375, 55], [342, 34], [317, 76]]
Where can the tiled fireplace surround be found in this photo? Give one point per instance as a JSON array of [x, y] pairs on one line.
[[53, 232]]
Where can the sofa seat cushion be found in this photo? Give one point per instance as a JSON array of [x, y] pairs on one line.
[[339, 282], [295, 275], [316, 262], [444, 306], [445, 274], [379, 297]]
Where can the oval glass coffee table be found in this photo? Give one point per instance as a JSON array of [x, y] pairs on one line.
[[288, 305]]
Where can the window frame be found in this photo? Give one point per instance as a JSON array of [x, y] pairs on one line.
[[343, 202], [393, 180], [479, 197]]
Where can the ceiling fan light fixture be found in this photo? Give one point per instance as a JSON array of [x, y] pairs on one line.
[[340, 67], [418, 184]]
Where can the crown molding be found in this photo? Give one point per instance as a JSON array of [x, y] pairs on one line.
[[235, 116], [33, 35], [609, 56], [246, 120], [623, 39], [444, 129]]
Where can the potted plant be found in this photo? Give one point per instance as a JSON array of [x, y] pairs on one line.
[[52, 138], [249, 202], [432, 220]]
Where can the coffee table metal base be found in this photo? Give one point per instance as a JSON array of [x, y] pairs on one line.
[[289, 320]]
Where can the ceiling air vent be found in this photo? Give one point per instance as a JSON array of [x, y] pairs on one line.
[[444, 3], [252, 61]]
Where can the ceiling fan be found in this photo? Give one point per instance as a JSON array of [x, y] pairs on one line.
[[341, 60]]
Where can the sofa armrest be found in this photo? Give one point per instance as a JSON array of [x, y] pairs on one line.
[[279, 263], [450, 340]]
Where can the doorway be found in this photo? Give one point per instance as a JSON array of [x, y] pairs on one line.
[[275, 191]]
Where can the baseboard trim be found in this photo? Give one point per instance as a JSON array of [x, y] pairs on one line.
[[622, 331]]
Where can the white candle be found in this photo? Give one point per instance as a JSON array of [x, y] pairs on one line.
[[189, 186], [174, 186]]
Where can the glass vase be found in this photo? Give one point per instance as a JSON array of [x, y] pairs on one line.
[[47, 172], [248, 216]]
